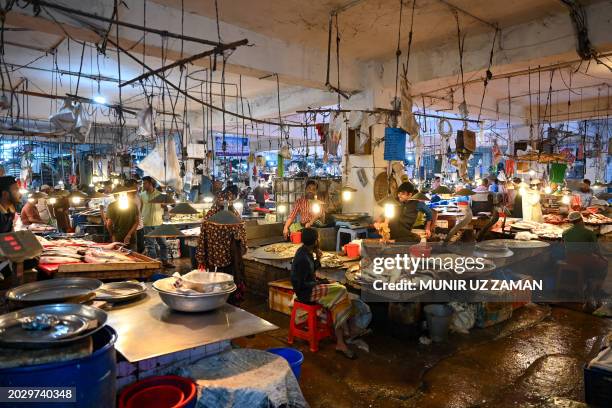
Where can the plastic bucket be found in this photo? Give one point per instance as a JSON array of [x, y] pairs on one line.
[[159, 396], [296, 237], [419, 250], [294, 357], [184, 385], [93, 377], [352, 250], [438, 321]]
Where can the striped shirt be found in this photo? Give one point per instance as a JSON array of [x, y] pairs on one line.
[[302, 207]]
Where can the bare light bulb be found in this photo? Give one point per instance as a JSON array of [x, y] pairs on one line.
[[389, 210], [532, 173], [282, 209], [92, 185], [239, 206], [76, 200], [565, 199], [52, 200], [208, 199], [115, 182], [316, 208], [31, 200], [548, 189], [124, 202], [347, 195]]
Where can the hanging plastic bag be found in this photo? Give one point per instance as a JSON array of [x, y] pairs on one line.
[[145, 121], [151, 165], [285, 153], [65, 119]]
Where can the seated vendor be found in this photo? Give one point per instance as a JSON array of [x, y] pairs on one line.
[[401, 225], [30, 214], [303, 208], [581, 250], [308, 288], [10, 197], [482, 200]]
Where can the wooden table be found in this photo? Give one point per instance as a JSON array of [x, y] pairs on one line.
[[141, 269]]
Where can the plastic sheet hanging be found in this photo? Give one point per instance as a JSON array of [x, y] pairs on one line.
[[151, 165], [145, 122], [72, 119]]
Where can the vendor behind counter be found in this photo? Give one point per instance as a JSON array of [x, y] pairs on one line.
[[308, 216]]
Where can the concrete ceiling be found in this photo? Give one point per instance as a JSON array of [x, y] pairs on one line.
[[369, 28], [289, 37]]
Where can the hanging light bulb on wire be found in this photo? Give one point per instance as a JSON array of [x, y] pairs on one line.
[[124, 202]]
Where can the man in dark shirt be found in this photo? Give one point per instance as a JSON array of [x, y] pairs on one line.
[[260, 195], [310, 289], [401, 225], [122, 219]]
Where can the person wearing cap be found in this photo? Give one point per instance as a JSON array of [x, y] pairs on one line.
[[309, 288], [10, 197], [581, 250], [401, 225], [532, 209]]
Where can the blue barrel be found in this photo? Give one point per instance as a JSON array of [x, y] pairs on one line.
[[294, 357], [93, 376]]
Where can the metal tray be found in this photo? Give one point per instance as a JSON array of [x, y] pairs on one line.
[[53, 290], [94, 317], [120, 291]]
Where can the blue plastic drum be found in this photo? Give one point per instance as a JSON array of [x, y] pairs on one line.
[[94, 376]]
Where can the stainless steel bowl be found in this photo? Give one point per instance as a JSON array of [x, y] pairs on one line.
[[202, 303]]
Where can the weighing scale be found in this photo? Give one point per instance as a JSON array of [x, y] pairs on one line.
[[16, 247]]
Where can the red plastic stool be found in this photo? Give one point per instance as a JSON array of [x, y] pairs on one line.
[[312, 329]]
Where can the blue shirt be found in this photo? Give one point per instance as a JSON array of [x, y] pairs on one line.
[[422, 207]]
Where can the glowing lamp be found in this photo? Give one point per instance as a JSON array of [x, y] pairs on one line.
[[548, 189], [238, 206], [532, 173], [124, 201], [76, 199], [565, 199], [281, 209], [52, 200], [99, 99], [389, 210]]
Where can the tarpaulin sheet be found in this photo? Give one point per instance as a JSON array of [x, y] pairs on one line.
[[245, 378]]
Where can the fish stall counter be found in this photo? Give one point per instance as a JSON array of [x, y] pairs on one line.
[[75, 257], [154, 340]]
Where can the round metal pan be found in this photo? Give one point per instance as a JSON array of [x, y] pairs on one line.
[[94, 317], [53, 290], [120, 291]]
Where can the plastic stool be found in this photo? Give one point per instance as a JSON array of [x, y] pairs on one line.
[[354, 234], [312, 329]]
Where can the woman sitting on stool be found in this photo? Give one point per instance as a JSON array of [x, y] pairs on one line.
[[310, 289]]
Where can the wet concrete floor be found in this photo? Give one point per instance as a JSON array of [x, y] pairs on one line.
[[534, 359]]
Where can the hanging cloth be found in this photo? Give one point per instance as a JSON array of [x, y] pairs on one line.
[[510, 167], [557, 172]]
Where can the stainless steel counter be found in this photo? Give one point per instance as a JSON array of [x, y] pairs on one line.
[[148, 328]]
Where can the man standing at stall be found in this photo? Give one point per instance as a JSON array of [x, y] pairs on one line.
[[122, 220], [401, 225], [152, 217], [303, 208]]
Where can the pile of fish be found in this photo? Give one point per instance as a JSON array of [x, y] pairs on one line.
[[72, 254]]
